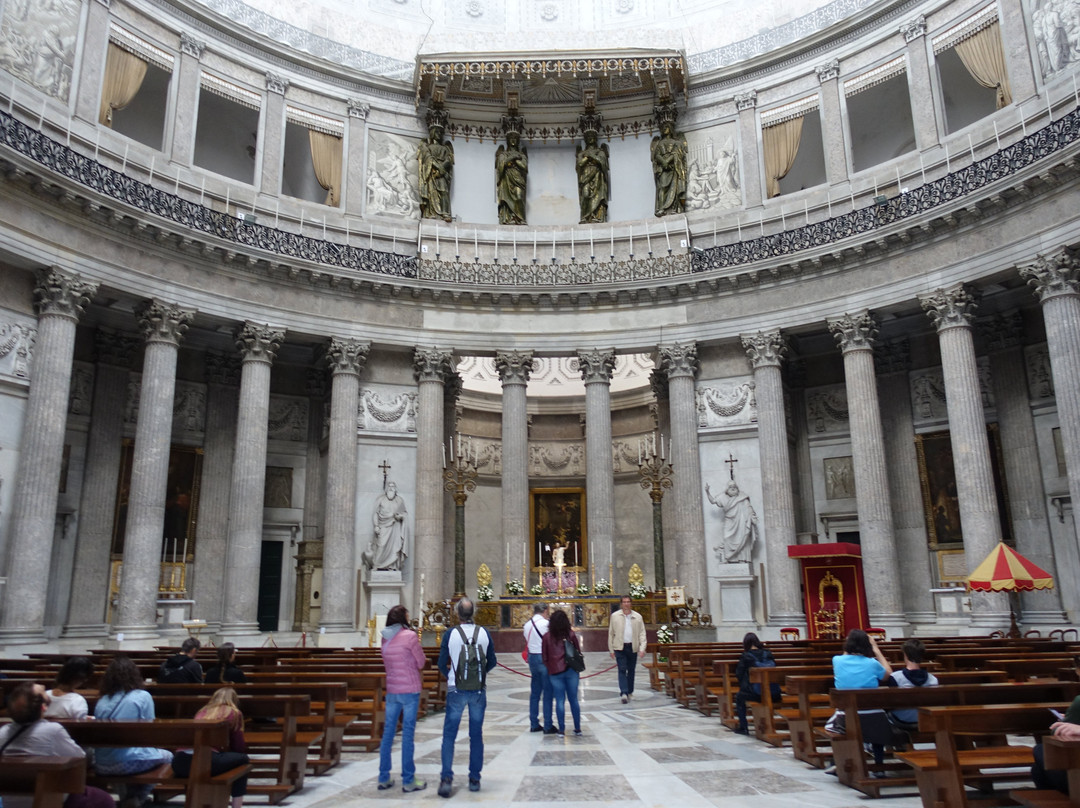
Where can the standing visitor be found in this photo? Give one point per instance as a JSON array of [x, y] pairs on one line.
[[404, 659], [540, 688], [626, 642], [564, 678]]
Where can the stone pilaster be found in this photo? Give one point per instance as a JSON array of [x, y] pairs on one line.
[[346, 358], [596, 368], [680, 362], [59, 299], [920, 87], [766, 350], [1018, 54], [356, 144], [805, 507], [94, 46], [832, 123], [856, 335], [431, 366], [309, 551], [163, 326], [750, 164], [272, 139], [514, 368], [187, 77], [952, 311], [97, 505], [258, 345]]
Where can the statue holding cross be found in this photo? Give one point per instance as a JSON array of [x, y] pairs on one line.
[[740, 528]]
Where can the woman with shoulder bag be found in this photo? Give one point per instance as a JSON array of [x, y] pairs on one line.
[[560, 639]]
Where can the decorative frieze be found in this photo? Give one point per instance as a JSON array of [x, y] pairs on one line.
[[827, 409], [726, 403], [287, 418], [387, 412], [189, 408], [82, 389], [893, 356], [551, 459], [1039, 375], [928, 393]]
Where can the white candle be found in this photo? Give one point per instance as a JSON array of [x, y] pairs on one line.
[[202, 193], [971, 147], [184, 556], [443, 455], [922, 168], [123, 166], [277, 208], [648, 239], [806, 210], [534, 245], [419, 237], [631, 241], [662, 453], [828, 204], [783, 219], [738, 226], [572, 244], [575, 555], [997, 140], [153, 158], [508, 556], [667, 238], [457, 252], [476, 242], [228, 189], [898, 182], [1049, 109], [97, 143], [592, 251], [176, 188], [552, 245], [639, 453], [513, 240], [496, 244], [613, 244]]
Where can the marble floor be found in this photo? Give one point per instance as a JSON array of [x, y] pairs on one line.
[[649, 752]]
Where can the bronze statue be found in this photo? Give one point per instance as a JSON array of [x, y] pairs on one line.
[[436, 159], [669, 169], [511, 175], [594, 185]]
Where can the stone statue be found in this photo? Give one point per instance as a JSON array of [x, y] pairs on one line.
[[387, 550], [594, 185], [436, 164], [558, 555], [511, 175], [740, 524], [669, 169]]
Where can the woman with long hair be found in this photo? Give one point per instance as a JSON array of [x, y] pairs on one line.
[[225, 670], [754, 655], [65, 702], [122, 698], [564, 679], [221, 707], [403, 659]]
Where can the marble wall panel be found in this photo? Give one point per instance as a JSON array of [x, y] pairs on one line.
[[393, 186], [827, 410], [727, 403], [1055, 28], [712, 165], [17, 335], [387, 410]]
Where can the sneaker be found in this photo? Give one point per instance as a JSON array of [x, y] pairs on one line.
[[415, 785], [386, 785], [560, 733], [550, 731], [629, 696], [624, 698], [741, 731], [536, 729], [446, 785], [832, 770], [577, 732], [474, 785]]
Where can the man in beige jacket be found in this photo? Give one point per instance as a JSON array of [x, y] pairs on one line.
[[626, 642]]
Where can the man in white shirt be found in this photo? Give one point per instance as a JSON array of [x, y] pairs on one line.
[[534, 632], [626, 642]]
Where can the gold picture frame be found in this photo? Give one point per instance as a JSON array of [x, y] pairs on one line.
[[557, 516]]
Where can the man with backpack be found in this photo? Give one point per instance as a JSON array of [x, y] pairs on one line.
[[466, 656], [182, 668]]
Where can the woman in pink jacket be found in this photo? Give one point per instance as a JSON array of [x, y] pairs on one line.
[[404, 659]]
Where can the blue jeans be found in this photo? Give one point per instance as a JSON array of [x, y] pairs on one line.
[[541, 686], [405, 705], [627, 662], [456, 702], [564, 685]]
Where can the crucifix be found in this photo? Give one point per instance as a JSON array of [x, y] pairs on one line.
[[731, 461], [385, 466]]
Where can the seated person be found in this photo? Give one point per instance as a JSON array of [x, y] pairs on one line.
[[754, 655], [181, 668], [225, 670], [64, 702], [862, 665], [222, 706], [123, 699], [29, 734], [1068, 729], [911, 675]]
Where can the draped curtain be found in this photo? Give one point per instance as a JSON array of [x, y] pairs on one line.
[[326, 160], [781, 143], [124, 74], [984, 57]]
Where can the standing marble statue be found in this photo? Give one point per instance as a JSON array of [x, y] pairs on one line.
[[594, 184], [387, 550], [511, 175], [436, 164], [740, 524], [669, 169]]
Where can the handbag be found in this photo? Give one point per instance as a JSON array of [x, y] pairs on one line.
[[574, 660]]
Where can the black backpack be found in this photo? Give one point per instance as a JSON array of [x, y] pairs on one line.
[[774, 688], [174, 671], [469, 673]]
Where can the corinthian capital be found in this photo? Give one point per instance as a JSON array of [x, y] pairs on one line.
[[854, 332], [514, 366], [347, 355], [765, 348], [257, 342], [163, 322], [678, 360], [596, 365], [432, 364], [61, 293], [1053, 275], [951, 308]]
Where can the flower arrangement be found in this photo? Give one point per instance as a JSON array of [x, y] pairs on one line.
[[536, 589], [484, 593], [515, 587], [583, 589], [664, 635], [603, 587], [551, 582], [638, 591]]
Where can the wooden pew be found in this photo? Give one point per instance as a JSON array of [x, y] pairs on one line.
[[1057, 754], [48, 779]]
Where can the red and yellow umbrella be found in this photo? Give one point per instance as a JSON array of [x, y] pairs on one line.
[[1006, 569]]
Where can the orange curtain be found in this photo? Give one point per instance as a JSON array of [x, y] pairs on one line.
[[124, 74], [781, 144], [326, 160], [984, 57]]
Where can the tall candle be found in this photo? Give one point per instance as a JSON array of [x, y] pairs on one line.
[[648, 239], [457, 252], [436, 237], [667, 238]]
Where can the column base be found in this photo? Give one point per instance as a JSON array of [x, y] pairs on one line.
[[88, 630], [22, 636], [239, 629], [1055, 618], [796, 619], [898, 623], [131, 636], [343, 637]]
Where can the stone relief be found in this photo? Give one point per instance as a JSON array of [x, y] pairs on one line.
[[625, 454], [189, 407], [740, 525], [839, 477], [1040, 377], [82, 389], [134, 391], [37, 43], [278, 487], [16, 348], [396, 413], [393, 185], [827, 409], [1055, 25], [712, 169], [556, 459], [288, 419], [928, 392], [729, 403]]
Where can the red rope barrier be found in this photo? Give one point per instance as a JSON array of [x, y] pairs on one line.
[[529, 676]]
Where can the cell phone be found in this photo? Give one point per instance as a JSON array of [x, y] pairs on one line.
[[1057, 715]]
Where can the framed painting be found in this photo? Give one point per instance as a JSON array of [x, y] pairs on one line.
[[181, 501], [557, 516]]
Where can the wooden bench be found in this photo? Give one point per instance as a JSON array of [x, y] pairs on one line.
[[48, 779]]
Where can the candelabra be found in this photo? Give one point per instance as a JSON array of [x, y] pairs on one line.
[[656, 475], [460, 480]]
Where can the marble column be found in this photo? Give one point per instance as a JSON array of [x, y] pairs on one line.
[[272, 137], [750, 165], [187, 78], [309, 551], [596, 368], [909, 515], [1019, 57], [856, 334], [258, 345], [920, 86], [803, 482], [163, 325], [94, 43], [514, 368], [952, 311], [680, 362], [1056, 281], [97, 502], [431, 366], [832, 123], [1003, 336], [346, 358], [222, 375], [355, 189], [766, 350], [59, 299]]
